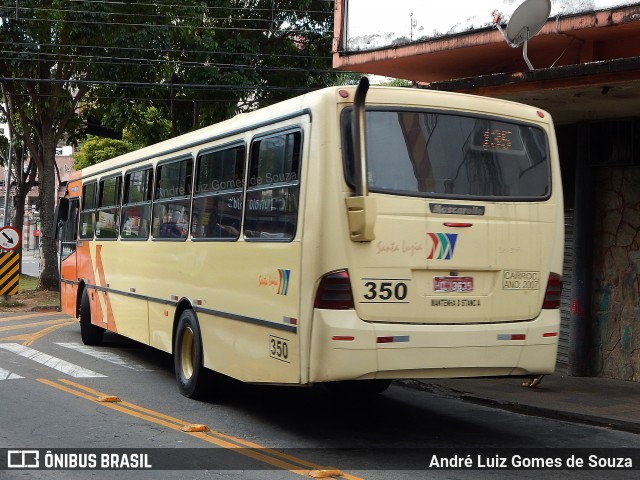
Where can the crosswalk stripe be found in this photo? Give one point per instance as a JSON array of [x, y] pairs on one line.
[[49, 361], [7, 375], [106, 356]]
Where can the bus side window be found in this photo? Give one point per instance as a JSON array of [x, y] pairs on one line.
[[217, 200], [136, 209], [108, 212], [87, 216], [171, 208], [271, 206]]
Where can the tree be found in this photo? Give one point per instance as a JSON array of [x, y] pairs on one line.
[[23, 170], [229, 56], [193, 63], [292, 44], [57, 51], [97, 149]]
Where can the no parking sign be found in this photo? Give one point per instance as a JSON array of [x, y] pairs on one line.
[[10, 241], [9, 238]]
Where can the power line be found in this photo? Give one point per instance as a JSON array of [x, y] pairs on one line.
[[155, 4], [150, 15], [124, 61], [164, 99], [194, 86], [161, 50], [191, 27]]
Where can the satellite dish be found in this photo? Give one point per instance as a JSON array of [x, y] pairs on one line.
[[526, 22]]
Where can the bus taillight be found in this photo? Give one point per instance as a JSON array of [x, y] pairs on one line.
[[552, 294], [334, 292]]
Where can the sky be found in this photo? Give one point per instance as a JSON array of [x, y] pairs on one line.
[[435, 18]]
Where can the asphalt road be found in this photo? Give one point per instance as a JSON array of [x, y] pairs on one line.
[[50, 387]]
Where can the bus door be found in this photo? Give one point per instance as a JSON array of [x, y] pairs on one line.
[[67, 233]]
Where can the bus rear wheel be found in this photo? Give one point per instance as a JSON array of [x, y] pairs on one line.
[[187, 355], [89, 333]]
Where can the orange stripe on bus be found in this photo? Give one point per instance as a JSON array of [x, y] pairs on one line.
[[111, 322]]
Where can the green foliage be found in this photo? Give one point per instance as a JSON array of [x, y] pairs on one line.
[[397, 82], [224, 56], [146, 125], [97, 149], [153, 69], [4, 150]]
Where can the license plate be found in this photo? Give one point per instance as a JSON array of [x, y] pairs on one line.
[[452, 284]]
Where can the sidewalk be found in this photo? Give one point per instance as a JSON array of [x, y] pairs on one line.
[[593, 400]]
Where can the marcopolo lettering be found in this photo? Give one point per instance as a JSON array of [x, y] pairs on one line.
[[447, 209]]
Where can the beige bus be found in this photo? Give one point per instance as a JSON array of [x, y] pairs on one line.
[[349, 236]]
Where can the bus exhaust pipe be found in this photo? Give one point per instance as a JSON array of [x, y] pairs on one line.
[[361, 208]]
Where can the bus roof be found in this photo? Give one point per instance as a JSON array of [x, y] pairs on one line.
[[307, 103]]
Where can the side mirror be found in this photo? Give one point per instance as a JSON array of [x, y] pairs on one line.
[[361, 208], [61, 215]]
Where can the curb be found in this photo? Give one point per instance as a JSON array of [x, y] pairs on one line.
[[524, 408], [45, 308]]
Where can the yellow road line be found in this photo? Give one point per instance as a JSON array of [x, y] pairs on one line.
[[45, 331], [32, 315], [23, 337], [33, 324], [177, 421], [270, 457]]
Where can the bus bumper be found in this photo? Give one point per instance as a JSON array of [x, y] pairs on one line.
[[346, 348]]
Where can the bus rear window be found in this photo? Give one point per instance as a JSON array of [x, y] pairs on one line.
[[435, 154]]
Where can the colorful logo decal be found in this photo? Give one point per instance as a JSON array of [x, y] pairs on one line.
[[443, 245], [284, 281], [277, 281]]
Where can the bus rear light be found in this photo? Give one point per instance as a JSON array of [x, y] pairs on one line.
[[457, 225], [334, 292], [343, 338], [552, 294], [550, 334]]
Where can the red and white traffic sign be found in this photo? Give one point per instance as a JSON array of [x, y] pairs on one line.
[[9, 238]]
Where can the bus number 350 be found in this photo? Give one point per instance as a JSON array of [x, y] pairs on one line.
[[385, 291], [279, 348]]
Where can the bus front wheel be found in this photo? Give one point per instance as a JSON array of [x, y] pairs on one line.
[[187, 355], [89, 333]]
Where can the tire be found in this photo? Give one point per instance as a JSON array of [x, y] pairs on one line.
[[187, 356], [91, 334], [358, 388]]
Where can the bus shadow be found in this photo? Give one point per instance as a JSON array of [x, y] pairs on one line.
[[400, 417]]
